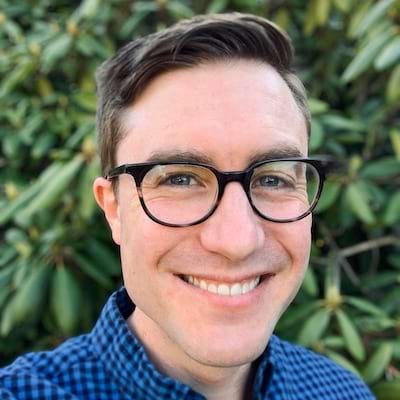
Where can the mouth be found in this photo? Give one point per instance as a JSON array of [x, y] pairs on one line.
[[232, 289]]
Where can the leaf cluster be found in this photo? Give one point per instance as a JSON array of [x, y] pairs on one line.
[[57, 262]]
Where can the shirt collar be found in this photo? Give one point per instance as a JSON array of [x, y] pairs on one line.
[[126, 361]]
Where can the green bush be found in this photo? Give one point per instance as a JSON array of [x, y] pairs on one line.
[[57, 261]]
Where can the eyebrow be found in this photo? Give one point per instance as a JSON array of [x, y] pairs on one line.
[[284, 151], [175, 155]]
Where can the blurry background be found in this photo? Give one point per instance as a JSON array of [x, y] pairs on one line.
[[57, 260]]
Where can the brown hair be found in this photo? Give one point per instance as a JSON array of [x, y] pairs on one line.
[[202, 39]]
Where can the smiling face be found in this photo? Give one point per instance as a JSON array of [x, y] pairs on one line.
[[226, 114]]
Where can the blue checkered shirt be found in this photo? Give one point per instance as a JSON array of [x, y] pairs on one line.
[[109, 363]]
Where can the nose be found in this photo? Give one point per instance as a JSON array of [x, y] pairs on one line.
[[234, 230]]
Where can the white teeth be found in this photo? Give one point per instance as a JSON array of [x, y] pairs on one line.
[[236, 289], [224, 289], [212, 288]]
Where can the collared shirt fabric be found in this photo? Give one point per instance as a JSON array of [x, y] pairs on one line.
[[109, 363]]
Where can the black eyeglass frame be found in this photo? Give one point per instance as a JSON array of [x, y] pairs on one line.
[[139, 170]]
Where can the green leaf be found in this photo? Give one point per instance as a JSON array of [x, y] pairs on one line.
[[385, 167], [42, 145], [142, 6], [385, 278], [91, 46], [392, 211], [317, 136], [88, 9], [329, 196], [344, 5], [65, 300], [322, 10], [92, 270], [351, 336], [374, 14], [365, 306], [317, 106], [393, 86], [311, 19], [51, 192], [344, 362], [87, 100], [12, 208], [314, 327], [22, 270], [55, 50], [310, 284], [342, 123], [13, 30], [282, 18], [358, 15], [7, 253], [387, 390], [17, 76], [216, 6], [334, 342], [389, 55], [395, 139], [87, 203], [6, 275], [366, 56], [33, 124], [378, 362], [131, 24], [179, 10], [296, 314], [358, 204], [106, 261], [28, 299], [393, 259], [6, 319]]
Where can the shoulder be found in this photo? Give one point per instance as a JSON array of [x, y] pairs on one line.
[[48, 374], [50, 363], [315, 375]]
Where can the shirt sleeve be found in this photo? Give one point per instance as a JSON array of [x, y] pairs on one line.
[[6, 395]]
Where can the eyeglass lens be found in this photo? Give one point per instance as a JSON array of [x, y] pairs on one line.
[[182, 194]]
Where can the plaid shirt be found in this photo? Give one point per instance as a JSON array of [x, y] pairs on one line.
[[110, 364]]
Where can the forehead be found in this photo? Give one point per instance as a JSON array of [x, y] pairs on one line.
[[227, 112]]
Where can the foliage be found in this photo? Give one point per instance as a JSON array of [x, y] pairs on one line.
[[57, 262]]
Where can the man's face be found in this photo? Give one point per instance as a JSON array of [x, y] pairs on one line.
[[227, 113]]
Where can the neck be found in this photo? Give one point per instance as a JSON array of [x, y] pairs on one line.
[[213, 382], [234, 384]]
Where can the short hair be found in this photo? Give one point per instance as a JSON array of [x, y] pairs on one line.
[[202, 39]]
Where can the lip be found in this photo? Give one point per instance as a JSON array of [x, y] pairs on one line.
[[244, 301], [229, 280]]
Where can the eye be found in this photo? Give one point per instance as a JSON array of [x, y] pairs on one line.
[[270, 181], [179, 180]]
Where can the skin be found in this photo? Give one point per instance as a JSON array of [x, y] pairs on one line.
[[227, 113]]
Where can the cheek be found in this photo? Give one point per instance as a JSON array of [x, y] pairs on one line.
[[144, 244], [296, 238]]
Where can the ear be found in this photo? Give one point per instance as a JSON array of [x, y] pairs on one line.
[[108, 202]]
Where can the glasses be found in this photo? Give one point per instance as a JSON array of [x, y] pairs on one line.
[[180, 194]]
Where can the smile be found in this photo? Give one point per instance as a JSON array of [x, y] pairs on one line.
[[223, 288]]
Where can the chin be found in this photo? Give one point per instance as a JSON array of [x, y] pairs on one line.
[[228, 350]]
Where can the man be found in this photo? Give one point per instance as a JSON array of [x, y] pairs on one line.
[[208, 191]]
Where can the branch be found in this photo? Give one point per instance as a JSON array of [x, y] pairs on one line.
[[369, 245], [348, 269]]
